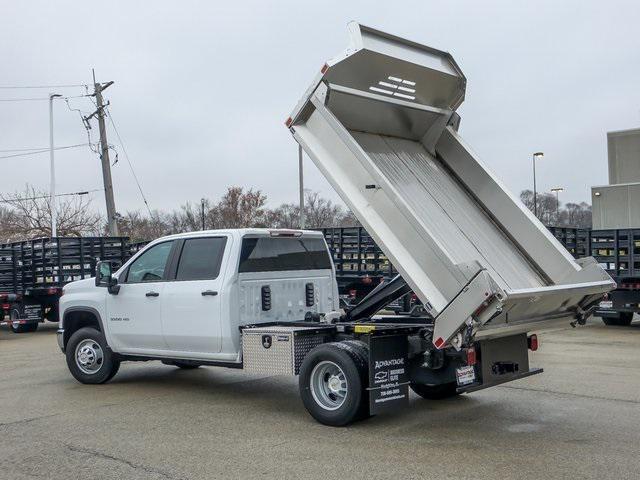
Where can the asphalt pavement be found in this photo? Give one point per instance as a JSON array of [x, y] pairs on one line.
[[579, 419]]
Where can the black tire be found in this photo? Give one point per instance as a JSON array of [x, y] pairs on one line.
[[182, 365], [435, 392], [624, 320], [349, 359], [23, 328], [104, 365]]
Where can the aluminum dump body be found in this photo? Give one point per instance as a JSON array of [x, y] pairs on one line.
[[380, 124]]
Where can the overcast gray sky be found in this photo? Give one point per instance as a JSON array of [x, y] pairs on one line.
[[202, 88]]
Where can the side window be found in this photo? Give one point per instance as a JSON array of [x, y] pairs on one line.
[[149, 267], [201, 258]]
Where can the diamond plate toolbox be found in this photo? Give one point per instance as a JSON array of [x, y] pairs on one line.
[[280, 350]]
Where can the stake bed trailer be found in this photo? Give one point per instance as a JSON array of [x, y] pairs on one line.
[[618, 252], [379, 122], [33, 272]]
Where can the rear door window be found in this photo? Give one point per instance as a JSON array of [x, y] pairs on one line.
[[267, 254], [200, 258]]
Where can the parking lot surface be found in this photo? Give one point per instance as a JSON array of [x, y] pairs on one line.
[[579, 419]]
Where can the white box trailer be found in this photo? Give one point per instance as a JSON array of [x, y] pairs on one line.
[[380, 123]]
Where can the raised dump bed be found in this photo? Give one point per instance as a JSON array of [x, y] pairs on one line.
[[380, 123]]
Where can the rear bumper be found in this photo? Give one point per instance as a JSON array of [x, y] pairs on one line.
[[60, 338], [607, 313], [474, 387]]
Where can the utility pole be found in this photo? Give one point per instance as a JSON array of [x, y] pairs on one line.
[[52, 188], [104, 156], [301, 185]]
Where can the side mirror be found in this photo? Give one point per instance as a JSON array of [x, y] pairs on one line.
[[104, 277]]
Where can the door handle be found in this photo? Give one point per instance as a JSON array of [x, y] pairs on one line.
[[210, 293], [152, 294]]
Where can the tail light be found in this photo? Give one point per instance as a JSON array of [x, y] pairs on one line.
[[266, 297], [309, 294], [533, 343], [471, 356]]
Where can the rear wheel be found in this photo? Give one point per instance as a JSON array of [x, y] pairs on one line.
[[89, 358], [624, 320], [435, 392], [332, 382], [20, 328]]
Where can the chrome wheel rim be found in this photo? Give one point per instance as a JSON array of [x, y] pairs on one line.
[[329, 386], [89, 356]]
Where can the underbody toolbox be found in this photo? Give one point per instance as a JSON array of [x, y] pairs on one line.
[[280, 350]]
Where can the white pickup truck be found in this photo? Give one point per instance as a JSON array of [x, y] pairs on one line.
[[380, 122]]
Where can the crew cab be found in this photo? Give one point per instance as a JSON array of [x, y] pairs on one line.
[[184, 297]]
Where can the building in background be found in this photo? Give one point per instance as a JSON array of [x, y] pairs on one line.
[[617, 205]]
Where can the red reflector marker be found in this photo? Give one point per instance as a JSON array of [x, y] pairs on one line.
[[288, 122], [439, 342], [471, 356], [324, 68], [533, 342]]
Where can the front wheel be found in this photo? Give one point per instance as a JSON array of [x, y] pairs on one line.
[[89, 358], [332, 382], [435, 392]]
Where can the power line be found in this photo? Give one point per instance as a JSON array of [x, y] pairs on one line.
[[37, 99], [44, 150], [18, 199], [126, 156], [23, 149], [44, 86]]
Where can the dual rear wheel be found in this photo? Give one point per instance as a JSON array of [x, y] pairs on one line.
[[333, 380]]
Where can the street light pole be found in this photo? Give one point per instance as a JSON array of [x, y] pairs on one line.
[[557, 191], [202, 212], [301, 186], [535, 193], [52, 187]]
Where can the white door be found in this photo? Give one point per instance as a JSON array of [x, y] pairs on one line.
[[134, 313], [191, 304]]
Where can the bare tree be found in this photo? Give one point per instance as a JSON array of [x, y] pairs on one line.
[[552, 213], [286, 215], [29, 215], [321, 212], [139, 227], [577, 215], [239, 209]]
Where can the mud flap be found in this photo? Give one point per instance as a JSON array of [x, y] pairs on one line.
[[388, 377]]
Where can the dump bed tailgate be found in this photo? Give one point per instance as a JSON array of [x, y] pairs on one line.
[[380, 124]]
